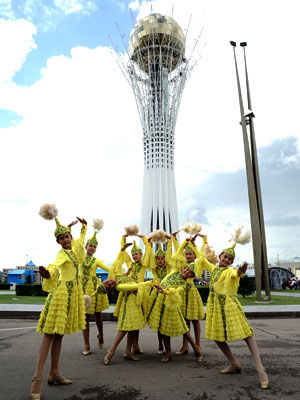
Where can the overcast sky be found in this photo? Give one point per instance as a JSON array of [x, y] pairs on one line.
[[70, 132]]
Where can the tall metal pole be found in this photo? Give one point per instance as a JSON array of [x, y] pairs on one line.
[[254, 215], [264, 260]]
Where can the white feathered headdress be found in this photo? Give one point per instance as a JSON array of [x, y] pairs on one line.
[[238, 237], [192, 228], [132, 230], [49, 211], [158, 236], [97, 225]]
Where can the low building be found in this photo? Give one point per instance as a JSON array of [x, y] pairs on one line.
[[102, 274], [30, 266], [19, 276]]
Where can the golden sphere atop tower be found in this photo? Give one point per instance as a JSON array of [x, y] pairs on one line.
[[157, 40]]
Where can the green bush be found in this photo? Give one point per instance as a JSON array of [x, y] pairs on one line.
[[30, 290], [247, 286], [28, 280], [204, 292], [4, 286]]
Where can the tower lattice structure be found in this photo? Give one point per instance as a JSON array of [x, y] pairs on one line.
[[157, 70]]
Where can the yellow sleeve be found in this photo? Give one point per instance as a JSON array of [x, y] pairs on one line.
[[78, 244], [174, 298], [203, 244], [101, 264], [178, 259], [232, 281], [122, 257], [234, 273], [148, 259], [168, 252], [205, 264], [175, 243], [83, 233], [127, 287], [123, 241], [154, 273], [196, 250], [54, 269], [198, 262]]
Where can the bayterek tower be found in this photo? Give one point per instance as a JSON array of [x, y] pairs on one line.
[[157, 70]]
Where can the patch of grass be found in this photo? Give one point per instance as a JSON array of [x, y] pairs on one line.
[[13, 299], [275, 300]]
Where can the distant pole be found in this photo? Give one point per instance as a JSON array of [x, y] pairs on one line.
[[254, 193]]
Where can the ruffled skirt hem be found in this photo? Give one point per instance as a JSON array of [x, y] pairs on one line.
[[225, 319], [64, 310]]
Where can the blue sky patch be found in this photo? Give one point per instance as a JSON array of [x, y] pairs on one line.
[[9, 118]]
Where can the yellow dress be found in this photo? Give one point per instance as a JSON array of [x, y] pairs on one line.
[[165, 314], [192, 305], [130, 310], [90, 281], [225, 318], [159, 273], [64, 309], [136, 270]]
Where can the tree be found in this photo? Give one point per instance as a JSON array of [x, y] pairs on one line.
[[28, 279], [247, 286]]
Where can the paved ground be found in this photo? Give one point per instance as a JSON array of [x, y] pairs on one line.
[[148, 379]]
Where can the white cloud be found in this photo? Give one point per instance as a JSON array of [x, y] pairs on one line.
[[75, 6], [73, 118], [17, 44]]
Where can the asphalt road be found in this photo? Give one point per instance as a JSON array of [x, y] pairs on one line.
[[181, 378]]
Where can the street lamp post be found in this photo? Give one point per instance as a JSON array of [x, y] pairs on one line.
[[254, 191]]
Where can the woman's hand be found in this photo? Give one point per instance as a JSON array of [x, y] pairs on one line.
[[128, 272], [72, 223], [82, 220], [242, 269], [124, 247], [140, 236], [44, 272], [175, 233], [200, 234], [158, 288]]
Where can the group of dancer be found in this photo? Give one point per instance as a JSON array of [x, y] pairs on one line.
[[168, 303]]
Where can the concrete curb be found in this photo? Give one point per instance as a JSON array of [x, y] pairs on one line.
[[14, 314]]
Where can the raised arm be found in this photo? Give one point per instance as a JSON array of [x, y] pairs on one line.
[[178, 259], [78, 245], [174, 240], [168, 255], [122, 257], [51, 273]]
